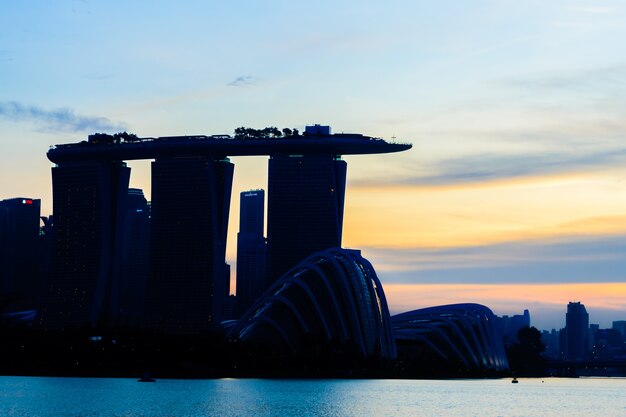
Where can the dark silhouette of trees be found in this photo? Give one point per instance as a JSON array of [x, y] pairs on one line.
[[265, 133], [525, 356], [117, 138], [126, 137]]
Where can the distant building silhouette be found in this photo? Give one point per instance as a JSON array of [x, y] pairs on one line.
[[510, 325], [251, 249], [620, 326], [450, 339], [190, 207], [551, 340], [21, 260], [128, 291], [576, 331], [305, 208], [89, 205]]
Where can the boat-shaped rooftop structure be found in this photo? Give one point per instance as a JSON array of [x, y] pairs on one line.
[[106, 147]]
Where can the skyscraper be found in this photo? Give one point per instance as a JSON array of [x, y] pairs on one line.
[[251, 249], [305, 208], [20, 266], [128, 290], [510, 325], [577, 332], [191, 182], [190, 202], [89, 205]]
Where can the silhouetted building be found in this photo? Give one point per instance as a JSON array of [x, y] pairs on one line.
[[305, 208], [89, 205], [129, 287], [191, 181], [452, 339], [591, 336], [577, 332], [230, 306], [551, 340], [331, 304], [620, 326], [190, 207], [251, 249], [608, 343], [510, 325], [21, 260]]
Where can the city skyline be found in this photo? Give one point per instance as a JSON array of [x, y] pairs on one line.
[[512, 197]]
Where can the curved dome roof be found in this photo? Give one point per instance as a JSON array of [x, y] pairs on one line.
[[460, 334], [332, 301]]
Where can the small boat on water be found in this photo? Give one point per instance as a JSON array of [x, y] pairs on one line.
[[146, 378]]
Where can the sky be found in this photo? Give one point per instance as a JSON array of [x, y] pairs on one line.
[[513, 195]]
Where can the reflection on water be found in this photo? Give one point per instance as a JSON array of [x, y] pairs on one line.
[[47, 397]]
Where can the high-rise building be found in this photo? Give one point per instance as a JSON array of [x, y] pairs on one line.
[[20, 261], [251, 249], [128, 290], [620, 326], [305, 208], [89, 205], [190, 204], [577, 332], [510, 325], [551, 340]]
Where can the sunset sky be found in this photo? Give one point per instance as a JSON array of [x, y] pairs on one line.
[[513, 196]]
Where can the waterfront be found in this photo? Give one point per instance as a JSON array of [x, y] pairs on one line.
[[73, 397]]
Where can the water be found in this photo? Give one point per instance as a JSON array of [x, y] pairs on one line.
[[69, 397]]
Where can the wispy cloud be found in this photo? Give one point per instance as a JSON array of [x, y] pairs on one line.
[[482, 168], [61, 119], [97, 76], [574, 260], [593, 9], [5, 56], [243, 80], [490, 167], [603, 80]]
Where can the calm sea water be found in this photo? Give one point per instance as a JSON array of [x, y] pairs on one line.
[[66, 397]]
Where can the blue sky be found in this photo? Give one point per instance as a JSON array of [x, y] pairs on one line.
[[515, 110]]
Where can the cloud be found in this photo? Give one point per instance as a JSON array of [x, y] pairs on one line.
[[61, 119], [481, 168], [243, 80], [603, 79], [593, 9], [490, 167], [5, 56], [577, 260], [96, 76]]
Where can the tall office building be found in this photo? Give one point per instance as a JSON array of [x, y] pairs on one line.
[[128, 290], [251, 249], [89, 204], [190, 203], [577, 332], [20, 260], [620, 326], [510, 325], [305, 208]]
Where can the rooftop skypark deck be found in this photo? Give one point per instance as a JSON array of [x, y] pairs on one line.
[[107, 147]]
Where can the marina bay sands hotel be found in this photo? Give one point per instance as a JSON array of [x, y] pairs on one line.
[[191, 192]]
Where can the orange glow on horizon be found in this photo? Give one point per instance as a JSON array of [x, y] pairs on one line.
[[506, 297], [540, 207]]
